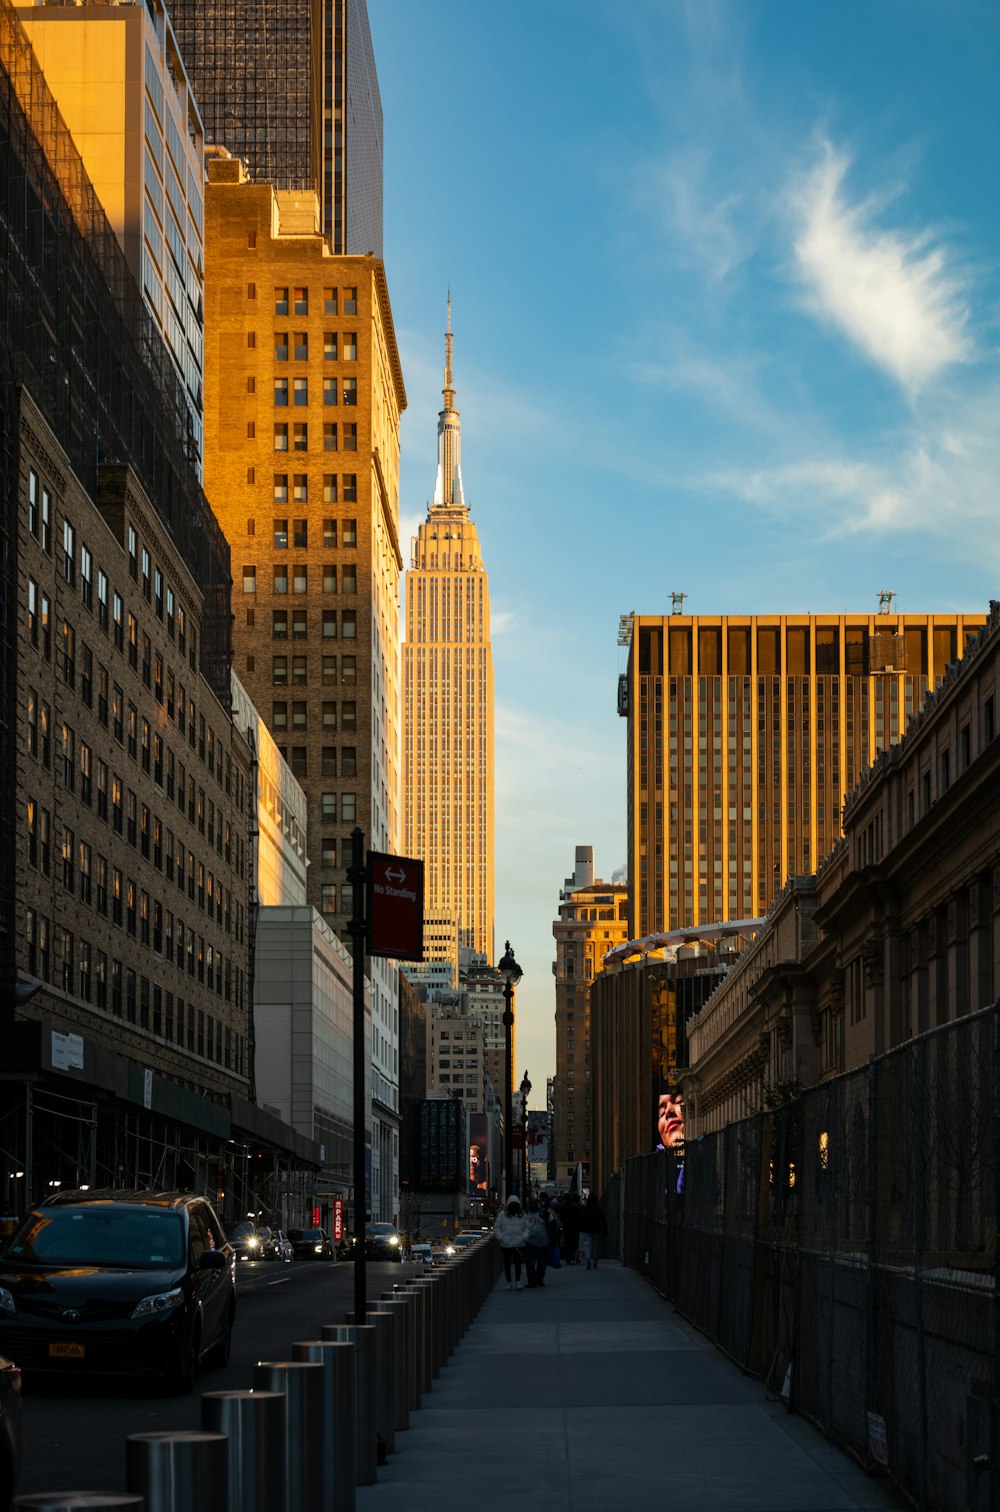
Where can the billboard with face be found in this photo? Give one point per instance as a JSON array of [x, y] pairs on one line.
[[667, 1098]]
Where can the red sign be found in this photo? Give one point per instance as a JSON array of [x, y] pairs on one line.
[[317, 1217], [395, 906], [338, 1218]]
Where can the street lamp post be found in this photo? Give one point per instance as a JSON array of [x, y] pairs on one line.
[[526, 1168], [511, 973]]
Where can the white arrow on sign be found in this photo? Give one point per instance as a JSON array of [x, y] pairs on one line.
[[395, 876]]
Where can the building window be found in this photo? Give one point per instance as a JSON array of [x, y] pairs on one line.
[[329, 624], [281, 301], [69, 553], [350, 301], [281, 346], [329, 897], [350, 346], [328, 761], [348, 669], [330, 497], [280, 578], [329, 533], [329, 851], [300, 624], [349, 578], [299, 762], [330, 436], [301, 302], [329, 301], [299, 665], [281, 437], [348, 807], [300, 391], [300, 488], [300, 346], [281, 392], [348, 761], [348, 532], [329, 716], [328, 807], [329, 577], [348, 624], [330, 670], [348, 715], [350, 391], [279, 624], [330, 346], [329, 391], [300, 437], [299, 714], [300, 578], [350, 435], [279, 671], [249, 580], [279, 716]]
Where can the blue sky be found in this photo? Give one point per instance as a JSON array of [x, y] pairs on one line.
[[726, 303]]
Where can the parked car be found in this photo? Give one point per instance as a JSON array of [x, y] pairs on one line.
[[10, 1431], [285, 1250], [311, 1244], [247, 1241], [421, 1253], [118, 1283], [382, 1242]]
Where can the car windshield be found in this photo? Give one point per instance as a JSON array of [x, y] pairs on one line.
[[243, 1230], [127, 1237], [304, 1235], [381, 1229]]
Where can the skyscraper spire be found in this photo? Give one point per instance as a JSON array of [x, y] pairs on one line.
[[448, 491]]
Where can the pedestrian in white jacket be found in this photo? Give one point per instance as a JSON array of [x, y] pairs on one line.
[[510, 1230]]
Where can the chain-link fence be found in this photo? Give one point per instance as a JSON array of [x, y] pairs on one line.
[[843, 1248]]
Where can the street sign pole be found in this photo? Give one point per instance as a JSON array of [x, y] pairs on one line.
[[358, 876]]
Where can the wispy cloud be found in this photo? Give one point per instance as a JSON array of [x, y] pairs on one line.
[[937, 480], [899, 296], [705, 227]]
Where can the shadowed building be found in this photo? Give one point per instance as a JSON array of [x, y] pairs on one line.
[[290, 87]]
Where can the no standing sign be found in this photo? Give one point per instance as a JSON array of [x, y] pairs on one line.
[[395, 906]]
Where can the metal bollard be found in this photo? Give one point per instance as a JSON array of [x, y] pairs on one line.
[[414, 1336], [363, 1337], [254, 1425], [425, 1360], [77, 1501], [340, 1413], [400, 1361], [385, 1389], [306, 1488], [178, 1472]]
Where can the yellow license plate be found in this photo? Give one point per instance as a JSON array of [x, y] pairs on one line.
[[64, 1350]]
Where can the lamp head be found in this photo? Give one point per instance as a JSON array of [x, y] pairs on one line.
[[508, 967]]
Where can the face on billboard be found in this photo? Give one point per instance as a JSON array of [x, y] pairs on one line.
[[670, 1118]]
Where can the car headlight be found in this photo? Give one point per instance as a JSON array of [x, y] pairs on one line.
[[252, 1243], [394, 1239], [449, 1249], [318, 1248], [158, 1303], [7, 1304]]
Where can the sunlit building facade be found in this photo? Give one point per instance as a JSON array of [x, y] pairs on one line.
[[303, 397], [118, 78], [745, 733], [591, 921], [448, 699]]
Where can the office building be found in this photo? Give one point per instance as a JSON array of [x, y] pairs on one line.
[[303, 397], [119, 82], [290, 87], [744, 735], [897, 933], [448, 699], [592, 921]]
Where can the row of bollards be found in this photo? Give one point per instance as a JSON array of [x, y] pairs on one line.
[[313, 1427]]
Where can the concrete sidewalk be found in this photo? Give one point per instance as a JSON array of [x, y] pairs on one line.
[[598, 1396]]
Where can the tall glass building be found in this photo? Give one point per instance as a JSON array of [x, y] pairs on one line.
[[290, 87]]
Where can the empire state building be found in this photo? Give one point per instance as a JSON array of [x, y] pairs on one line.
[[448, 700]]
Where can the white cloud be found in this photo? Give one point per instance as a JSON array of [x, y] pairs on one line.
[[937, 480], [706, 228], [501, 621], [898, 296]]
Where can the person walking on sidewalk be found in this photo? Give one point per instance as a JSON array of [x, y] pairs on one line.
[[511, 1232], [593, 1227], [541, 1232], [570, 1215]]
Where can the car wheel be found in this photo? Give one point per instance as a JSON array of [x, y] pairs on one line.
[[222, 1350], [185, 1378]]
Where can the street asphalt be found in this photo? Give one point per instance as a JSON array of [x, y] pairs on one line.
[[598, 1397]]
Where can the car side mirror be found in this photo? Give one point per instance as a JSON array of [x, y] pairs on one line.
[[213, 1260]]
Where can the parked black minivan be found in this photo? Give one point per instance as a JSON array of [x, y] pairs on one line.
[[134, 1283]]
